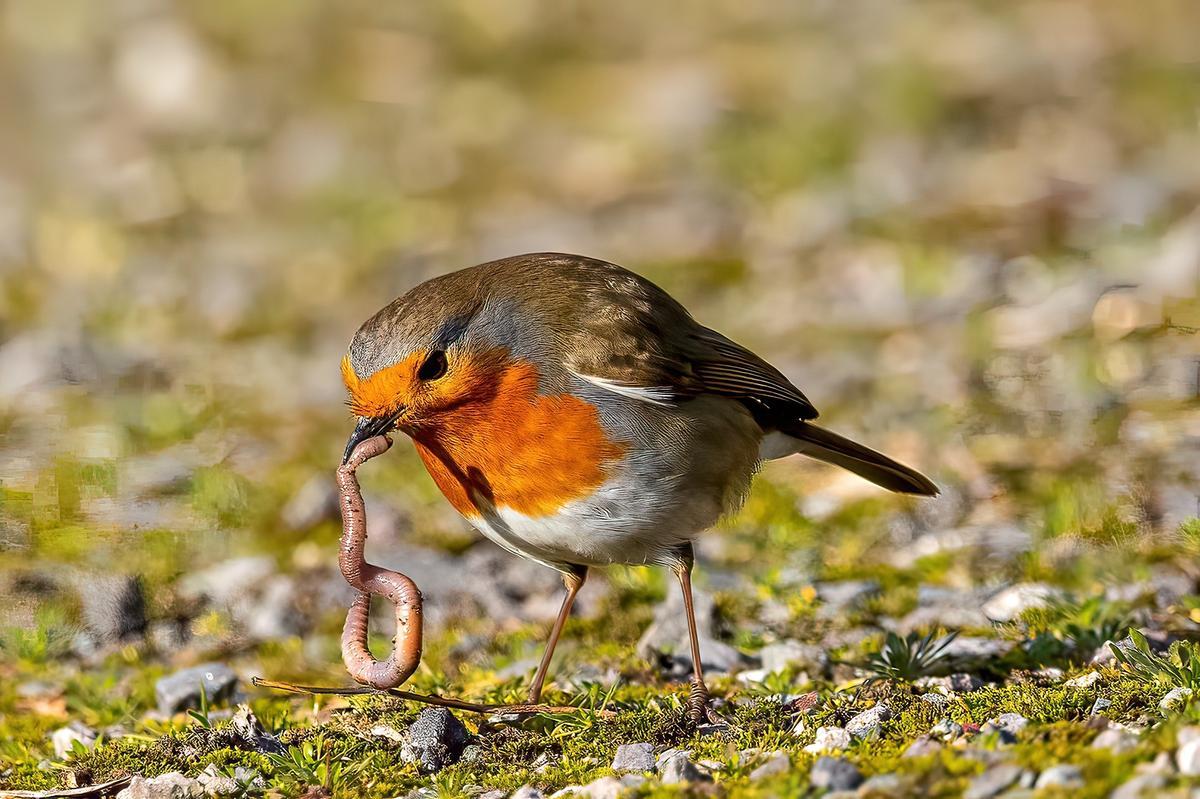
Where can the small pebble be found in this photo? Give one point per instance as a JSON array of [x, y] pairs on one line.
[[679, 768], [923, 747], [637, 757], [993, 781], [65, 738], [1084, 680], [1116, 739], [835, 774], [1176, 699], [776, 763], [869, 723], [1062, 776], [1187, 758], [829, 739]]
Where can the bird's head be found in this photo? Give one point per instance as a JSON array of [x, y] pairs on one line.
[[434, 353]]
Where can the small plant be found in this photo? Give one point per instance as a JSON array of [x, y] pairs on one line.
[[1089, 624], [1178, 667], [201, 716], [907, 658]]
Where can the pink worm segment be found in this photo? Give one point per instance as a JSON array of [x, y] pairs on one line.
[[368, 579]]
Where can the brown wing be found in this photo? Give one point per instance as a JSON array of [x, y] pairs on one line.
[[628, 332]]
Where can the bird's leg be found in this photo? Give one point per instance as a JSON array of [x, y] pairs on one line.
[[369, 579], [572, 580], [698, 697]]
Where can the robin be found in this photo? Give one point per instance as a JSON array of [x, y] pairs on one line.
[[577, 415]]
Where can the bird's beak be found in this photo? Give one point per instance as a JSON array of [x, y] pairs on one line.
[[368, 427]]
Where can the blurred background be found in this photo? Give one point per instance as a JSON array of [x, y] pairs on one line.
[[968, 230]]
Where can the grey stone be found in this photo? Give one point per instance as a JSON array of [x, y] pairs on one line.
[[869, 723], [958, 683], [180, 691], [603, 787], [527, 792], [972, 649], [1100, 705], [1176, 699], [829, 739], [1116, 739], [946, 730], [667, 637], [993, 781], [1009, 725], [1158, 641], [676, 766], [435, 740], [923, 747], [883, 785], [845, 595], [835, 774], [1187, 757], [1061, 776], [1138, 786], [65, 738], [776, 763], [1086, 680], [791, 653], [634, 757], [1010, 603], [172, 785], [217, 784]]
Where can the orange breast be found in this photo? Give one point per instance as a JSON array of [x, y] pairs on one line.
[[518, 449]]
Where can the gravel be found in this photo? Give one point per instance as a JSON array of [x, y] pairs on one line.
[[181, 691], [790, 653], [634, 757], [172, 785], [993, 781], [869, 723], [65, 738], [829, 739], [775, 764], [1063, 776], [435, 740], [1175, 700], [676, 766], [835, 774], [1010, 603]]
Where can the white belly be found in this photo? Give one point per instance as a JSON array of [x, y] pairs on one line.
[[628, 520]]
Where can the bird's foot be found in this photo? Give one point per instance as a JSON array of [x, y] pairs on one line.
[[700, 710]]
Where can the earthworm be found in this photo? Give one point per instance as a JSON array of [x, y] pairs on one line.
[[369, 579]]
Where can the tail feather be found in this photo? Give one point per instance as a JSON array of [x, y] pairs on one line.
[[824, 445]]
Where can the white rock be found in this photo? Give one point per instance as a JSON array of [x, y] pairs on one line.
[[636, 758], [1016, 599], [776, 763], [1118, 739], [1084, 680], [1187, 758], [172, 785], [1176, 699], [1061, 776], [869, 723], [64, 739], [829, 739]]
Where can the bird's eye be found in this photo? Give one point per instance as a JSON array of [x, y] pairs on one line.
[[434, 366]]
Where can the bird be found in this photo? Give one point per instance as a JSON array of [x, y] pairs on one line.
[[577, 415]]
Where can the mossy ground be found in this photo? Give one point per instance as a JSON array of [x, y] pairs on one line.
[[964, 229]]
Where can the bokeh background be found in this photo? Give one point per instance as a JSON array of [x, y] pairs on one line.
[[968, 230]]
